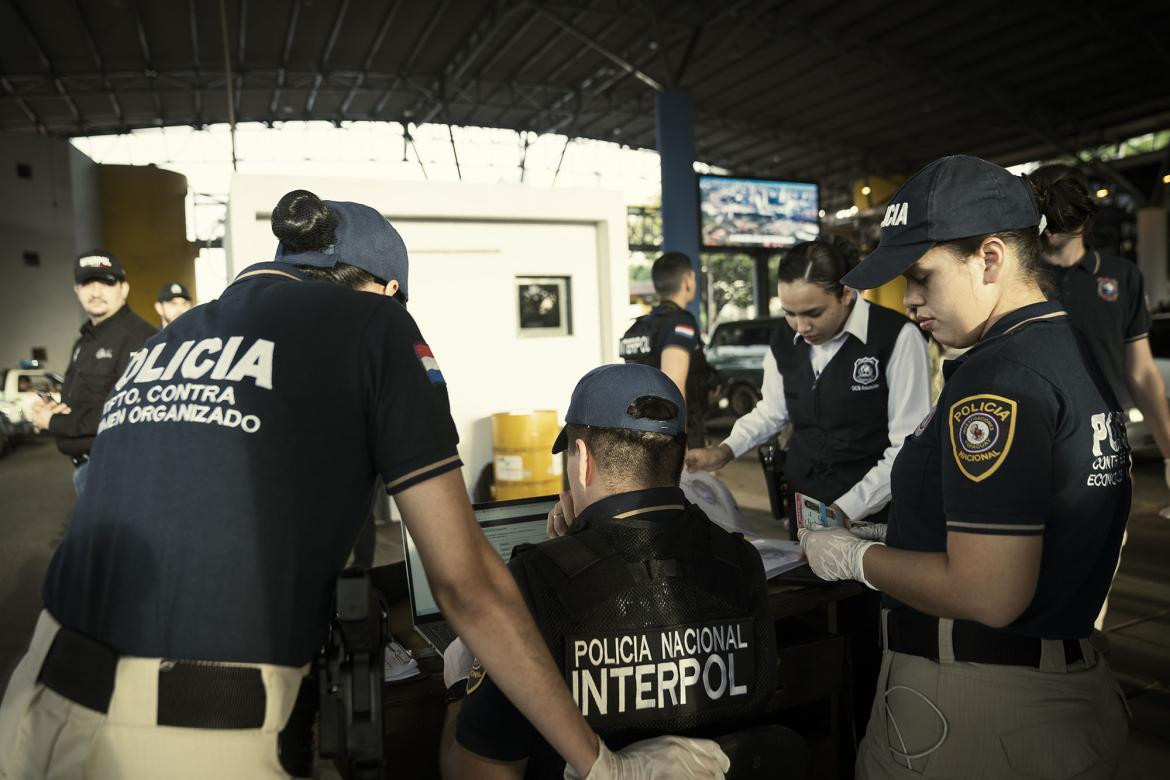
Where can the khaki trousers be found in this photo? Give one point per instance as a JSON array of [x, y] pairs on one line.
[[964, 720], [44, 735]]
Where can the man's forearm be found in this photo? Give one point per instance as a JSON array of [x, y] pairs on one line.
[[1149, 394], [491, 617]]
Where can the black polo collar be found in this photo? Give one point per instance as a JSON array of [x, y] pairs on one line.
[[648, 504]]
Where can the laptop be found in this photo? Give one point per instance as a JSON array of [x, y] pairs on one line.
[[505, 524]]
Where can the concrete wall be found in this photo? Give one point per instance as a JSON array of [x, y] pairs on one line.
[[54, 213], [467, 245]]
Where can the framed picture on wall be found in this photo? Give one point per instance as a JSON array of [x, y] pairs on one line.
[[543, 306]]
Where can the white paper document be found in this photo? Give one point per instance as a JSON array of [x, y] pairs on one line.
[[398, 665], [779, 555]]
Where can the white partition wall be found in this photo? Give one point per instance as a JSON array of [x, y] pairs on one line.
[[470, 246]]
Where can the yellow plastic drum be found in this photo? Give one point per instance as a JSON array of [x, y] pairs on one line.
[[522, 454]]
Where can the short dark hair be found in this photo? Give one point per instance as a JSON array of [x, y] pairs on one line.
[[668, 272], [1026, 244], [303, 223], [635, 459], [822, 262]]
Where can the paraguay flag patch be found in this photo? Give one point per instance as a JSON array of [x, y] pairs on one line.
[[427, 358], [685, 330]]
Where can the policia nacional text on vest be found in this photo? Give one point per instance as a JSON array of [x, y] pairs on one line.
[[646, 338], [840, 419], [657, 627]]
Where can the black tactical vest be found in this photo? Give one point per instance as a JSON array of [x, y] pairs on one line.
[[657, 626], [841, 419], [642, 343]]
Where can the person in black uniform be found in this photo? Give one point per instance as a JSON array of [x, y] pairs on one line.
[[176, 633], [1008, 507], [657, 617], [173, 300], [668, 338], [108, 338], [853, 379]]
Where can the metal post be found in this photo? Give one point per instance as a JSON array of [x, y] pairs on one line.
[[227, 75], [674, 113], [762, 291]]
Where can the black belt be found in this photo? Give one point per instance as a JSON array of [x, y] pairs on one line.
[[191, 694], [917, 634], [79, 460]]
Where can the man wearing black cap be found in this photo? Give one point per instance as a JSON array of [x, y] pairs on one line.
[[108, 339], [173, 300], [176, 635], [657, 617]]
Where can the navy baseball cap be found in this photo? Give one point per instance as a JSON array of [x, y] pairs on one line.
[[603, 396], [362, 238], [172, 290], [952, 198], [98, 265]]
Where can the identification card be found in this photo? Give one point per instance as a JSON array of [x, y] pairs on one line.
[[814, 514]]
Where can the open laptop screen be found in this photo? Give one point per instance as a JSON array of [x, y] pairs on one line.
[[504, 523]]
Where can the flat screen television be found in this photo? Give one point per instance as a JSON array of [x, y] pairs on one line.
[[753, 213]]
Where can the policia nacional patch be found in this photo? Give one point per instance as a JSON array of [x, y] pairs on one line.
[[982, 428]]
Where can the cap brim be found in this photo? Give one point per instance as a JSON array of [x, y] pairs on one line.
[[112, 278], [561, 443], [885, 264]]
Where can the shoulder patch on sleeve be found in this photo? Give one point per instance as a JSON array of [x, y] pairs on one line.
[[683, 329], [429, 364], [982, 428], [476, 676]]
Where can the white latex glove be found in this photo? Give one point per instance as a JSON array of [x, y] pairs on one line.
[[835, 554], [661, 758], [1166, 471], [457, 660], [875, 532]]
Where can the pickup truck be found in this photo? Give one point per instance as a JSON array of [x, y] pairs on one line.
[[18, 390]]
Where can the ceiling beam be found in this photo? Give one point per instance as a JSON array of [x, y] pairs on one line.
[[375, 47], [24, 106], [326, 53], [408, 63], [99, 61], [47, 62], [601, 49], [196, 93], [289, 33], [150, 71]]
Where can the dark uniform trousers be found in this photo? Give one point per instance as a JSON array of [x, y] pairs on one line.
[[840, 425]]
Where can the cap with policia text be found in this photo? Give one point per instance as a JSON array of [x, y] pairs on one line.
[[98, 265], [362, 238], [171, 291], [603, 396], [952, 198]]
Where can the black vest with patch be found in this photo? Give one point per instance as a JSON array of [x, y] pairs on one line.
[[841, 418], [642, 343], [657, 626]]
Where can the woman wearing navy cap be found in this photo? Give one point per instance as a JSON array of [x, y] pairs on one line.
[[1007, 511]]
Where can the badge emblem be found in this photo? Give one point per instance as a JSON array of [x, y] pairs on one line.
[[1107, 288], [475, 676], [865, 370], [982, 428]]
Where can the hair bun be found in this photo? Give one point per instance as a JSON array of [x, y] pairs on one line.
[[303, 223], [846, 250]]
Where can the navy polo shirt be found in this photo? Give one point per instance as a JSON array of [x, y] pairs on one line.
[[1027, 439], [1105, 299], [233, 469]]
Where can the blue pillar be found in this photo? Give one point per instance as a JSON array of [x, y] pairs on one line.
[[674, 113]]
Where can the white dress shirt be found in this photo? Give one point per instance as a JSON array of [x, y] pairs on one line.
[[908, 376]]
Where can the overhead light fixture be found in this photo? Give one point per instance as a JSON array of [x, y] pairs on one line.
[[1103, 193], [866, 190], [821, 213], [1166, 179]]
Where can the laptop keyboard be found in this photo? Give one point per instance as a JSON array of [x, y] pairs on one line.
[[438, 634]]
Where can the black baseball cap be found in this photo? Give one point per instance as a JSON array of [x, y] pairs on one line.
[[603, 396], [172, 290], [952, 198], [362, 238], [98, 265]]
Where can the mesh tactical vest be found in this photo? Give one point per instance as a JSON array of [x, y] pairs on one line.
[[840, 419], [657, 626], [642, 343]]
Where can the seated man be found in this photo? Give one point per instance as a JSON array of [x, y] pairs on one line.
[[657, 618]]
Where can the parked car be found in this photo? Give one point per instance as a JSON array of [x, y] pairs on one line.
[[737, 350], [18, 390]]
